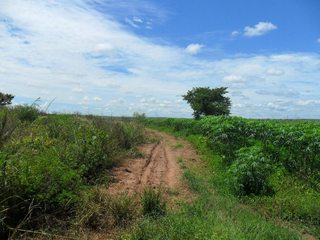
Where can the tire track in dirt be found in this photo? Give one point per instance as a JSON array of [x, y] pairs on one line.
[[159, 168]]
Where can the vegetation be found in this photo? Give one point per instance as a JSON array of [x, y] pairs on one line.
[[272, 165], [152, 203], [208, 101], [5, 99], [214, 214], [260, 179], [49, 162]]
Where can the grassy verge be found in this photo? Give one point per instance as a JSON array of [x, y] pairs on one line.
[[50, 165], [215, 214]]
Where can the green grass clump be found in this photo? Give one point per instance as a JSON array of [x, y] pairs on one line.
[[123, 209], [153, 204]]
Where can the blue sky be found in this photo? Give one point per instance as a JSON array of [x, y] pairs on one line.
[[123, 56]]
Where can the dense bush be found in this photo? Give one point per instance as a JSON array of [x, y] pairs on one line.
[[26, 112]]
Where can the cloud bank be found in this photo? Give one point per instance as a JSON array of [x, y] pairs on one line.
[[91, 62]]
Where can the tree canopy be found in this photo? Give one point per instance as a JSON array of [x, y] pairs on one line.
[[5, 99], [208, 101]]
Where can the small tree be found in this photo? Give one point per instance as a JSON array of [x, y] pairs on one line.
[[5, 99], [208, 101]]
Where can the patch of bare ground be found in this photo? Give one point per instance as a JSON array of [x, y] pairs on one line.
[[160, 167]]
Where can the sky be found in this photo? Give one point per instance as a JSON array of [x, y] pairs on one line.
[[117, 57]]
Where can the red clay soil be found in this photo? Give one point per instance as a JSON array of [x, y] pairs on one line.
[[159, 168]]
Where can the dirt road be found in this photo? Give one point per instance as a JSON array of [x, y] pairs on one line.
[[159, 166]]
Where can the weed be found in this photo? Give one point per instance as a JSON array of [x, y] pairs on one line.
[[123, 209], [177, 146], [153, 204]]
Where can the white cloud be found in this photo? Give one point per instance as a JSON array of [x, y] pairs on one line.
[[97, 99], [235, 33], [67, 50], [132, 23], [259, 29], [274, 72], [318, 40], [194, 48], [137, 20], [233, 78], [77, 90]]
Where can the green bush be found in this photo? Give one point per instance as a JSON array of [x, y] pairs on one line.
[[250, 172], [152, 203], [27, 113]]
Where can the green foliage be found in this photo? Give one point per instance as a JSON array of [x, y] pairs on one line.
[[5, 99], [208, 101], [152, 203], [27, 113], [271, 164], [212, 215], [47, 163], [250, 171]]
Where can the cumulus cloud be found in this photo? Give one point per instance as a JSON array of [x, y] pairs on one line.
[[259, 29], [194, 48], [235, 33]]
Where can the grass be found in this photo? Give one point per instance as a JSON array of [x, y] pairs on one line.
[[293, 200], [177, 146], [50, 163], [215, 214], [152, 203]]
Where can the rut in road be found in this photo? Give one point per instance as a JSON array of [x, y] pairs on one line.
[[159, 168]]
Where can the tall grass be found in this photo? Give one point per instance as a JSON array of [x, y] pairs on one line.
[[48, 163]]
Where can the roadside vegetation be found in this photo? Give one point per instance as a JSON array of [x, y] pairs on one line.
[[258, 179], [270, 166], [51, 163]]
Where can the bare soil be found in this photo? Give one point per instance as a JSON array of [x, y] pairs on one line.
[[160, 166]]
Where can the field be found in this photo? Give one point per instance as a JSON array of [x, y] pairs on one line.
[[90, 177]]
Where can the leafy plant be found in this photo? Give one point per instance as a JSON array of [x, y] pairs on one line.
[[250, 172]]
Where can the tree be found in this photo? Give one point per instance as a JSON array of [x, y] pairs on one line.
[[208, 101], [5, 99]]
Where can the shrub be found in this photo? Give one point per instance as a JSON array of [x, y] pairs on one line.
[[26, 113], [152, 203], [250, 172]]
